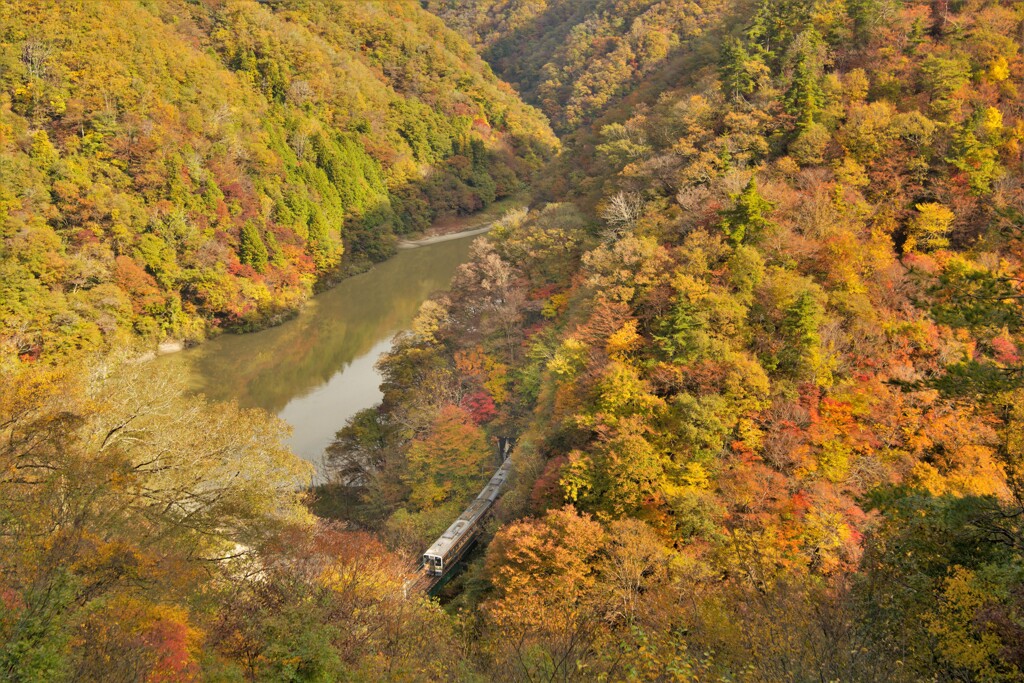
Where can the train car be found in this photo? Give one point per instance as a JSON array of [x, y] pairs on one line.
[[447, 549]]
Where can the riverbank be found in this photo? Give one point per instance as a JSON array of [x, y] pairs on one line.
[[444, 230], [436, 239], [318, 369], [162, 349], [457, 227]]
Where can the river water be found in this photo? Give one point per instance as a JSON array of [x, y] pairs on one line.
[[317, 370]]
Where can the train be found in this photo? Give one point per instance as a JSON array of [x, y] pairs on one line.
[[446, 550]]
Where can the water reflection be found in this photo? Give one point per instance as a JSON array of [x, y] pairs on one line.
[[317, 370]]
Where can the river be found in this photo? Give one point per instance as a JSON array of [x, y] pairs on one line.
[[317, 370]]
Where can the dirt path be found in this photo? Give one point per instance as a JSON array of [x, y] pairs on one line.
[[412, 244], [457, 227]]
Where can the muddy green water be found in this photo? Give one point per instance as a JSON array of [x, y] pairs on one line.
[[317, 370]]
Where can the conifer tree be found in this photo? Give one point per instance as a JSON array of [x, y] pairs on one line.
[[274, 249], [865, 15], [977, 159], [804, 98], [740, 71], [761, 33], [800, 327], [251, 249], [324, 250], [749, 216]]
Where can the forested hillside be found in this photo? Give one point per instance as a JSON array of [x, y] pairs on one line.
[[576, 58], [762, 354], [768, 391], [174, 168]]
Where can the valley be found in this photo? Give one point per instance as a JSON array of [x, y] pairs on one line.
[[743, 283]]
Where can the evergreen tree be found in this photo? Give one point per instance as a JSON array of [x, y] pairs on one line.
[[976, 159], [251, 249], [865, 15], [800, 326], [274, 249], [804, 99], [749, 216], [741, 72], [761, 33], [326, 253]]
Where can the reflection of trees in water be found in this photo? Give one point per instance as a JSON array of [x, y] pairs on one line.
[[270, 368]]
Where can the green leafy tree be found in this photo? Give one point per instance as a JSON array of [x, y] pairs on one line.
[[448, 463], [929, 229], [943, 78]]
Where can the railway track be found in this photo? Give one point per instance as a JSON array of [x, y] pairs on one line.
[[440, 559]]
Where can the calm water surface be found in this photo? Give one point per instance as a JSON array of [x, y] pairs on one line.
[[317, 370]]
